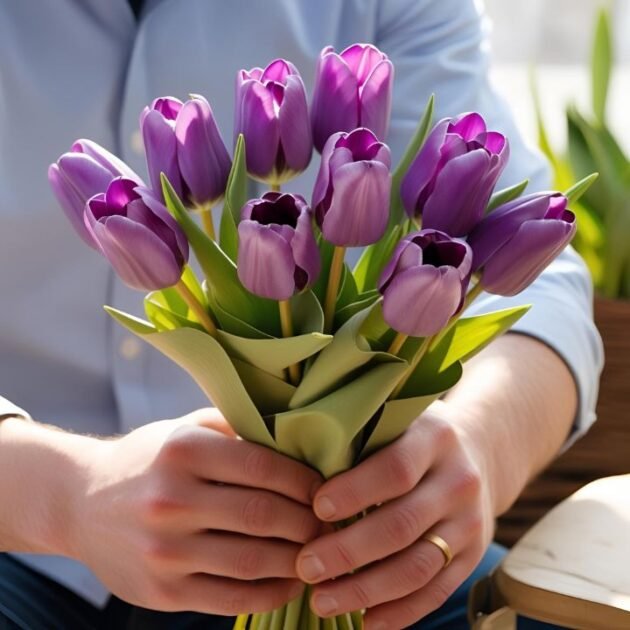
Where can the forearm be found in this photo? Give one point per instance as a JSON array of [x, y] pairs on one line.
[[515, 404], [40, 471]]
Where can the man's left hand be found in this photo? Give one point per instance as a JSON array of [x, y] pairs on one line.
[[432, 480]]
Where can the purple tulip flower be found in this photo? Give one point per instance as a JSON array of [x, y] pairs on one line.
[[277, 255], [351, 194], [271, 112], [424, 284], [135, 232], [452, 178], [352, 89], [86, 170], [182, 141], [514, 243]]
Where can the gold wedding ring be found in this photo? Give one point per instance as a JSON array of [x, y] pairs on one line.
[[442, 545]]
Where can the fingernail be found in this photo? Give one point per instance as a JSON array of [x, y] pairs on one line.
[[325, 508], [311, 567], [325, 604]]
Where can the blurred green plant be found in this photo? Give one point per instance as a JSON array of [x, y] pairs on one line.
[[603, 212]]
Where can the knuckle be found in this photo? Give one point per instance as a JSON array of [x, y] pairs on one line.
[[179, 446], [157, 552], [249, 562], [345, 557], [258, 514], [159, 504], [163, 596], [467, 481], [360, 594], [417, 571], [401, 526], [259, 464], [403, 470], [445, 433]]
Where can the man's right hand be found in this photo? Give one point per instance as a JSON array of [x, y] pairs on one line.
[[181, 515]]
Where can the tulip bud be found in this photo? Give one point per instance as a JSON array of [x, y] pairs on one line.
[[450, 181], [514, 243], [182, 141], [351, 194], [425, 282], [271, 112], [277, 254], [86, 170], [135, 232], [352, 89]]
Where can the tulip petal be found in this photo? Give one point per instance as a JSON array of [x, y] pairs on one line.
[[420, 301], [71, 202], [521, 260], [335, 104], [460, 194], [119, 193], [305, 250], [376, 99], [323, 176], [423, 168], [468, 126], [361, 59], [203, 160], [168, 106], [265, 262], [259, 124], [278, 70], [359, 209], [137, 255], [160, 147], [106, 159], [295, 129], [86, 176]]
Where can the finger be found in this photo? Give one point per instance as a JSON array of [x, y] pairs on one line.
[[237, 556], [253, 512], [393, 578], [211, 418], [223, 596], [217, 458], [390, 473], [381, 533], [408, 610]]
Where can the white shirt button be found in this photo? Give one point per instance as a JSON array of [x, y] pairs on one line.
[[130, 348], [137, 145]]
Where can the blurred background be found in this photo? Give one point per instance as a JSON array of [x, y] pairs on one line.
[[556, 37]]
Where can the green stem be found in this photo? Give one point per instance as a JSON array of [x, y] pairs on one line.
[[397, 343], [357, 619], [207, 221], [422, 350], [294, 609], [275, 187], [265, 621], [277, 618], [286, 324], [332, 290], [197, 308]]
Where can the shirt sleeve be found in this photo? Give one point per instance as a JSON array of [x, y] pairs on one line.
[[7, 409], [442, 47]]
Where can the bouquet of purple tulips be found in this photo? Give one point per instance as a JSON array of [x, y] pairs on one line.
[[300, 352]]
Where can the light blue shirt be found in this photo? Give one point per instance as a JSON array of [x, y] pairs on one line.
[[85, 68]]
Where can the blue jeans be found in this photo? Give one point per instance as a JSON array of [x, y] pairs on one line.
[[30, 601]]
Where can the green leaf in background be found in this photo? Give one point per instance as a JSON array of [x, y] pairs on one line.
[[220, 272], [507, 194], [579, 188], [363, 301], [235, 199], [397, 210], [326, 251], [132, 323], [164, 316], [601, 64]]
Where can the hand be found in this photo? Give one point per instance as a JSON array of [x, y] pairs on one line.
[[431, 480], [180, 515]]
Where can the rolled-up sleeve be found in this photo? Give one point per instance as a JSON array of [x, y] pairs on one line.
[[441, 47]]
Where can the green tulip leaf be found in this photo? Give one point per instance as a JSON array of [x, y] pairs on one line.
[[374, 258], [326, 251], [164, 317], [506, 195], [220, 272], [397, 415], [363, 301], [235, 199], [579, 188], [417, 140], [324, 433], [132, 323], [601, 65]]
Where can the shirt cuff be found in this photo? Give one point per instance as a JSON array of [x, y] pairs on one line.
[[561, 316]]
